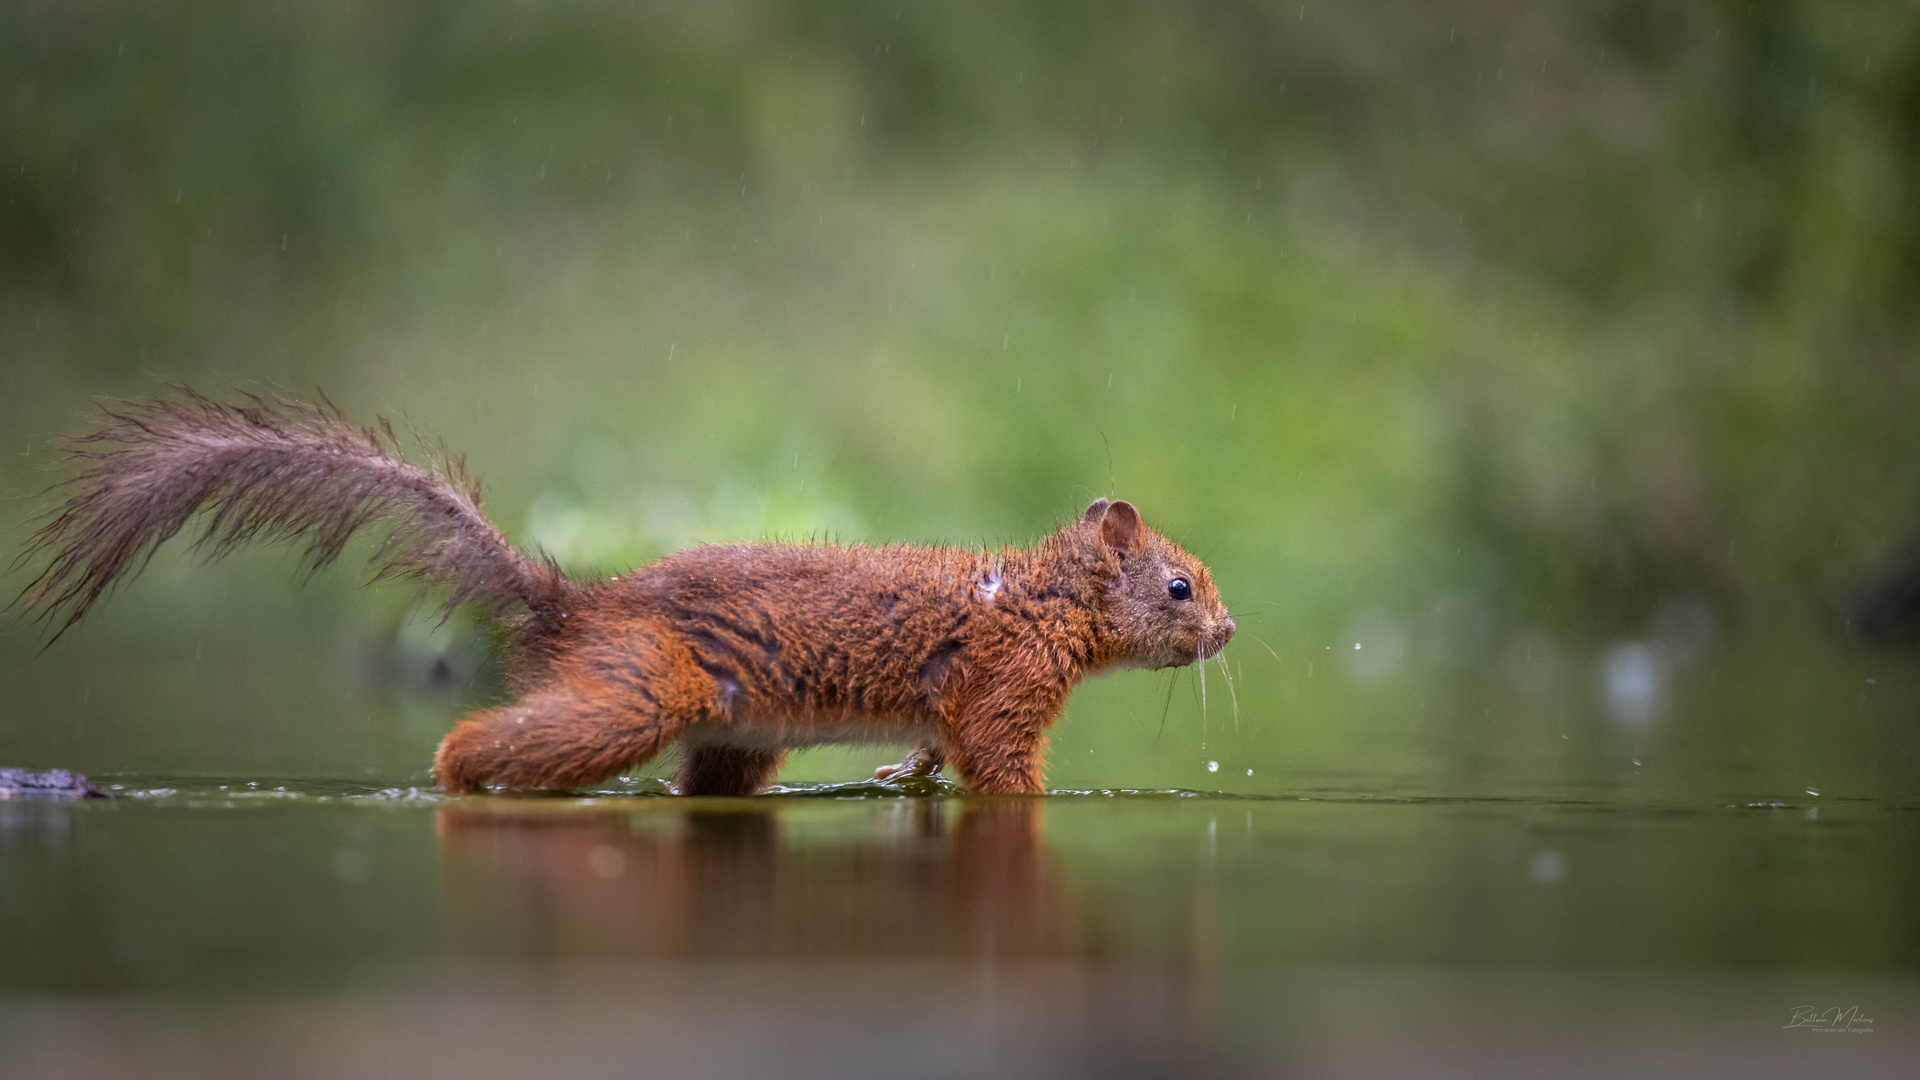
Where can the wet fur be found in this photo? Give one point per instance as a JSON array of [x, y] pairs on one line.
[[736, 652], [268, 470]]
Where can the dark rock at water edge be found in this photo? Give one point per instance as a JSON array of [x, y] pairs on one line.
[[1887, 608], [52, 784]]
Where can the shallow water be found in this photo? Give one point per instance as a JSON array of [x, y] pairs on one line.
[[212, 925]]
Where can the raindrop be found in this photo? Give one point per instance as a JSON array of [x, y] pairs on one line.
[[1379, 646], [1213, 766]]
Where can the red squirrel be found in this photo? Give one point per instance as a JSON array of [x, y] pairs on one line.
[[737, 652]]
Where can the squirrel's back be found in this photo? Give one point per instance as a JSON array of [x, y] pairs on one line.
[[807, 630]]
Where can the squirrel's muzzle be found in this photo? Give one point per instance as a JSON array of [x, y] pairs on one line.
[[1215, 637]]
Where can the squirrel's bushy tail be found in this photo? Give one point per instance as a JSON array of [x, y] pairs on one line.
[[270, 470]]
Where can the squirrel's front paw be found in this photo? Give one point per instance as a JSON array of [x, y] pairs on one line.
[[922, 762]]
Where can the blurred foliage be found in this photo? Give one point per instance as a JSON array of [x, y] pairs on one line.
[[1491, 334]]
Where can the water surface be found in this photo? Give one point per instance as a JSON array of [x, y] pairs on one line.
[[201, 925]]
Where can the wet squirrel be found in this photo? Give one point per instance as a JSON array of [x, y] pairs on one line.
[[738, 652]]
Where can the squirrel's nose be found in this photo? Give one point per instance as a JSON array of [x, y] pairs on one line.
[[1226, 625]]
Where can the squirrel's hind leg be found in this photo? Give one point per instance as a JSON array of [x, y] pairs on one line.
[[553, 739], [726, 770]]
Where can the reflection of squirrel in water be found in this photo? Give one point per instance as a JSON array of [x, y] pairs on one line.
[[738, 652], [973, 880]]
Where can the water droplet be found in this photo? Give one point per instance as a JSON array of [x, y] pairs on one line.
[[1213, 766]]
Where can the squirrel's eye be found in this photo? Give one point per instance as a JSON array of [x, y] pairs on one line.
[[1179, 589]]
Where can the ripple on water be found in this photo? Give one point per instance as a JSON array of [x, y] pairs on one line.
[[232, 793]]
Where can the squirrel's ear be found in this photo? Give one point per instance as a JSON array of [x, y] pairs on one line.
[[1120, 527], [1095, 511]]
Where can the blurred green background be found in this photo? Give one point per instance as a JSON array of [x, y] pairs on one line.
[[1537, 380]]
